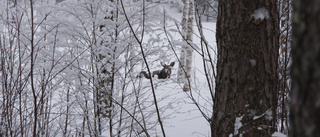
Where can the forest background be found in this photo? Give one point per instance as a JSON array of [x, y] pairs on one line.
[[72, 68]]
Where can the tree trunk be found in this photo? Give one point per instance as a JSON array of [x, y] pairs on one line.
[[189, 50], [305, 95], [285, 16], [181, 75], [185, 64], [246, 85]]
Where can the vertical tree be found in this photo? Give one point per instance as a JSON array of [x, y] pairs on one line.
[[246, 85], [285, 15], [184, 70], [35, 122], [103, 55], [105, 72], [305, 95]]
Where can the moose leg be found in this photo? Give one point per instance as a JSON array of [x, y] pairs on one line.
[[155, 73]]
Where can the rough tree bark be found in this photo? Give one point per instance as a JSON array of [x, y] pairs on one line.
[[305, 70], [246, 85]]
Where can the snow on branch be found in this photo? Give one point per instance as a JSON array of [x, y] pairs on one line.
[[261, 14]]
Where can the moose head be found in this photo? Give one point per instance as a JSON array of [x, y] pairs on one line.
[[164, 73]]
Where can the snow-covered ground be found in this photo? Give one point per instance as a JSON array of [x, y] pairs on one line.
[[186, 120]]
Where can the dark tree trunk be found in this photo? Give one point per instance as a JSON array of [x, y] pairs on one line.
[[305, 94], [246, 85]]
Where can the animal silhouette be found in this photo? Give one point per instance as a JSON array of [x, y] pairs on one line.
[[164, 73]]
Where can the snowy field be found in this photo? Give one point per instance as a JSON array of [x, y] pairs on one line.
[[186, 120], [74, 47]]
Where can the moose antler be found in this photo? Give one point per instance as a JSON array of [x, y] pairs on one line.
[[167, 66], [164, 72]]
